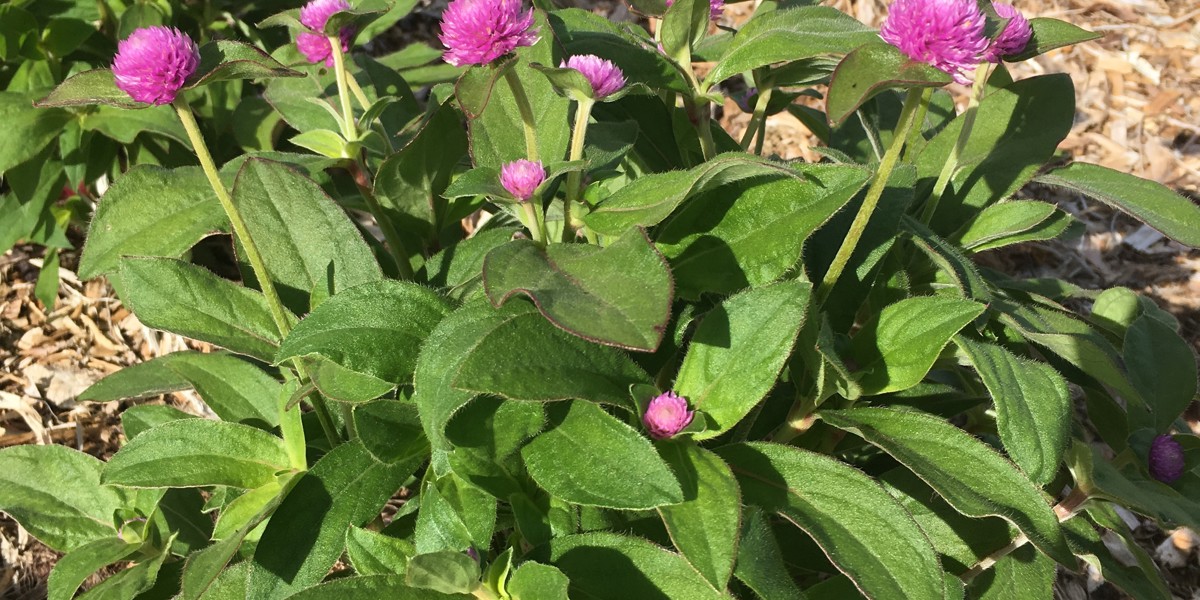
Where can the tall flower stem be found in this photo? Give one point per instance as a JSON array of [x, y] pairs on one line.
[[583, 111], [919, 120], [533, 220], [530, 124], [349, 127], [365, 103], [964, 134], [874, 193], [756, 121], [274, 304]]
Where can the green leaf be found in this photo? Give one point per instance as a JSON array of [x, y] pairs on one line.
[[788, 35], [949, 259], [896, 350], [1033, 406], [182, 298], [487, 436], [375, 328], [760, 563], [705, 527], [76, 566], [136, 420], [535, 581], [810, 490], [870, 69], [1049, 34], [150, 211], [458, 269], [684, 23], [198, 452], [1137, 492], [324, 142], [372, 587], [34, 127], [567, 82], [1148, 201], [969, 474], [454, 516], [46, 288], [752, 234], [582, 32], [224, 60], [124, 125], [1162, 367], [577, 460], [307, 533], [234, 389], [1025, 573], [54, 492], [1141, 580], [313, 245], [444, 572], [89, 87], [1003, 220], [563, 366], [618, 567], [619, 295], [390, 431], [374, 553], [738, 351], [649, 199], [132, 581]]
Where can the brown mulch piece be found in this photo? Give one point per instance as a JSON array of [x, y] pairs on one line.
[[1137, 110]]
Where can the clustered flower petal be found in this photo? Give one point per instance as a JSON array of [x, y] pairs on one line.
[[1015, 36], [605, 77], [716, 8], [476, 32], [947, 34], [152, 64], [667, 415], [1166, 459], [314, 44], [522, 177]]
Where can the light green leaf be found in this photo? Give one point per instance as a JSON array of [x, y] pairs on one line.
[[198, 452], [704, 527], [618, 567], [76, 566], [589, 457], [374, 553], [1002, 220], [137, 419], [896, 350], [535, 581], [444, 572], [871, 69], [1049, 34]]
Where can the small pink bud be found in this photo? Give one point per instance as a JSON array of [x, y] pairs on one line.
[[667, 415], [605, 77], [1166, 459], [1015, 36], [522, 177], [947, 34], [716, 8], [314, 44], [153, 63], [476, 32]]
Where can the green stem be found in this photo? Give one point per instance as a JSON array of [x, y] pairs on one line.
[[349, 127], [1065, 510], [533, 221], [575, 178], [756, 120], [358, 93], [919, 120], [518, 91], [872, 200], [951, 165], [703, 119], [395, 245]]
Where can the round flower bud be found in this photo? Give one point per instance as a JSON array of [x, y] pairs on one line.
[[476, 32], [605, 77], [152, 64], [1015, 36], [1166, 459], [522, 177], [314, 44], [947, 34], [667, 415]]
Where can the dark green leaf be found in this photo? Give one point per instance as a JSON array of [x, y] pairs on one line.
[[871, 539], [198, 452], [124, 125], [224, 60], [1141, 580], [618, 567], [1002, 220], [704, 527], [582, 32], [870, 69], [619, 295], [137, 419], [1025, 573], [390, 430], [46, 288], [969, 474], [373, 553], [535, 581], [1049, 34], [454, 516], [459, 269], [76, 566], [90, 87], [760, 563], [1162, 367], [372, 587], [130, 582]]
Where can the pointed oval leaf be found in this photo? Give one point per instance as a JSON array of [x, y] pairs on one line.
[[223, 60], [969, 474], [75, 567], [871, 539], [1162, 367], [871, 69], [591, 458], [618, 567], [704, 527], [372, 587], [90, 87], [198, 452], [1049, 34], [1002, 220]]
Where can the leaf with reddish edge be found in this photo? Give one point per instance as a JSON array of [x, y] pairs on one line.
[[871, 69]]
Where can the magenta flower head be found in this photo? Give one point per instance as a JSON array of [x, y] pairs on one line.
[[154, 62], [1015, 36], [605, 77], [947, 34], [1166, 459], [716, 8], [476, 32], [313, 44], [522, 177], [667, 415]]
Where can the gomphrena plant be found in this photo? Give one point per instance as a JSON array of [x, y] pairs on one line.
[[660, 365]]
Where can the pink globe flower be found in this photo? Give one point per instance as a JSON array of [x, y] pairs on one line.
[[667, 415], [476, 32], [522, 177], [313, 44], [716, 8], [153, 63], [1166, 459], [605, 77], [1015, 36], [947, 34]]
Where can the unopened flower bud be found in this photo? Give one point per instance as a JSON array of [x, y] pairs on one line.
[[1015, 36], [605, 77], [153, 63], [1166, 459], [667, 415], [522, 177]]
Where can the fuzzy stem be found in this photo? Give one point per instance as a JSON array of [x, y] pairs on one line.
[[395, 245], [756, 121], [518, 91], [874, 193], [1064, 510], [533, 221], [583, 111], [964, 134], [349, 127], [919, 120]]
